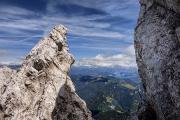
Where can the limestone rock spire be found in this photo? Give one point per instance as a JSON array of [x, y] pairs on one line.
[[41, 89]]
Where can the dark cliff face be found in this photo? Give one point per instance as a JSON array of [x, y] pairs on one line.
[[157, 44]]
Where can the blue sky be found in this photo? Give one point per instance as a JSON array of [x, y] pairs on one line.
[[99, 30]]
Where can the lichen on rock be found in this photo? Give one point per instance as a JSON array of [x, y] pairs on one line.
[[157, 50]]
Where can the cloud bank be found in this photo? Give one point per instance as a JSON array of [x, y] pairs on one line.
[[95, 26], [122, 60]]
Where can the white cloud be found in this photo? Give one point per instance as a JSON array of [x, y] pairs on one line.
[[10, 62], [107, 61], [79, 26], [13, 10], [24, 24], [95, 32], [8, 57], [4, 53], [124, 60], [130, 50], [85, 26], [113, 7]]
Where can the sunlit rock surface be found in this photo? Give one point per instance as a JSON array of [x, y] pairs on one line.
[[157, 44], [41, 89]]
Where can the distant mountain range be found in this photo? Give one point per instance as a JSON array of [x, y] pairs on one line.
[[128, 74], [12, 66], [124, 73], [110, 93]]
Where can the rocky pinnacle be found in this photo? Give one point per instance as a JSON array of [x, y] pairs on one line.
[[41, 89]]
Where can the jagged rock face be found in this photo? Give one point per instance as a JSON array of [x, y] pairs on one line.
[[42, 89], [157, 44]]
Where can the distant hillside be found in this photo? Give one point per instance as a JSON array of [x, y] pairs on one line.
[[105, 94], [119, 72]]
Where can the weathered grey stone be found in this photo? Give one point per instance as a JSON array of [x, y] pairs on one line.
[[157, 47], [42, 89]]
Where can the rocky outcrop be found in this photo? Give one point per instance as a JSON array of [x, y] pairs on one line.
[[157, 44], [41, 89]]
